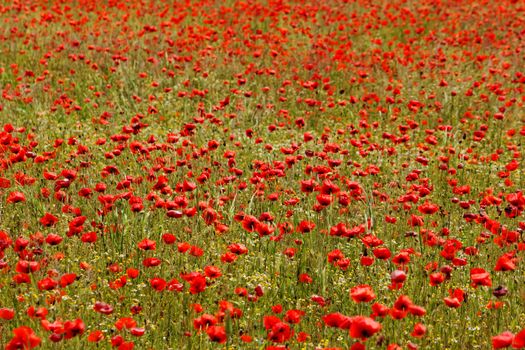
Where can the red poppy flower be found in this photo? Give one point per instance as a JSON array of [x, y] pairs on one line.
[[428, 208], [415, 220], [308, 186], [53, 239], [204, 321], [212, 272], [217, 334], [168, 238], [47, 284], [24, 338], [419, 330], [137, 331], [183, 247], [6, 314], [125, 322], [238, 248], [455, 299], [363, 327], [502, 340], [362, 293], [67, 279], [4, 183], [151, 262], [480, 277], [337, 320], [305, 278], [263, 229], [21, 278], [228, 257], [16, 197], [95, 336], [158, 283], [197, 284], [89, 237], [48, 220], [41, 312], [293, 316], [147, 244], [519, 340], [196, 251], [249, 223], [379, 310], [403, 302], [402, 258], [25, 266], [305, 226], [366, 260], [382, 253], [74, 328], [103, 308], [436, 278], [280, 332], [335, 255], [398, 276], [209, 216], [507, 262]]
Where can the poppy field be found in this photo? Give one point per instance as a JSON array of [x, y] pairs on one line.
[[277, 174]]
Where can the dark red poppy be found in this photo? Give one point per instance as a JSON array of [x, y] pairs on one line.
[[48, 220], [103, 308]]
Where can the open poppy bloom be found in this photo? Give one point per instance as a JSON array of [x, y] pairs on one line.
[[480, 277], [362, 294], [363, 327], [24, 338], [216, 334]]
